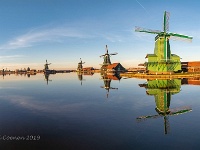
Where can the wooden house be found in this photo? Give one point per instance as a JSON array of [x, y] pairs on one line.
[[115, 67]]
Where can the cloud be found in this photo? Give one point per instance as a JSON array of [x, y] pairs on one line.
[[59, 34], [35, 36], [30, 103], [113, 38], [11, 56]]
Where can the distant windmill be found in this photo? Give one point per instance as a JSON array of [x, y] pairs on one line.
[[80, 65], [107, 56], [162, 60], [46, 66]]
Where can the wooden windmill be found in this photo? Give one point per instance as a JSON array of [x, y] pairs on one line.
[[80, 65], [162, 61], [106, 57], [46, 66]]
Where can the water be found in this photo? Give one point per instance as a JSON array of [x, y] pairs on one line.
[[79, 113]]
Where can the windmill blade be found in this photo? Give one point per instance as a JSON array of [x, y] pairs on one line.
[[113, 88], [175, 36], [142, 118], [166, 21], [102, 56], [178, 111], [139, 29], [106, 49], [113, 53]]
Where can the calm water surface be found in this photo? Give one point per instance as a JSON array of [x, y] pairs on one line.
[[94, 112]]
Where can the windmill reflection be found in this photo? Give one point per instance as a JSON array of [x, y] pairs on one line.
[[107, 78], [46, 75], [162, 90], [80, 75]]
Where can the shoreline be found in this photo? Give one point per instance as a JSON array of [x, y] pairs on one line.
[[160, 76]]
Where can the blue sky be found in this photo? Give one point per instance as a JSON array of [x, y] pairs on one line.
[[62, 31]]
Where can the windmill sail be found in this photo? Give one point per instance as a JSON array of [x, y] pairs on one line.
[[176, 36], [166, 21], [139, 29], [114, 53]]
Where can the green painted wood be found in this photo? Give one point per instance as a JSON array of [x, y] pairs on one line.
[[162, 61]]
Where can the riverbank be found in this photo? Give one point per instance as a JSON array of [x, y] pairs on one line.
[[160, 76]]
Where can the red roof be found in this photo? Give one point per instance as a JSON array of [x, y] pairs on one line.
[[112, 66]]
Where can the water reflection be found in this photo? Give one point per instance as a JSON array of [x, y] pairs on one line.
[[69, 116], [107, 78], [46, 75], [80, 75], [162, 90], [191, 81]]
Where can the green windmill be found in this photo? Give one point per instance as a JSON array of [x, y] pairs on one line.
[[162, 61]]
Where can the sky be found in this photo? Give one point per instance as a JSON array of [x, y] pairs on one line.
[[63, 31]]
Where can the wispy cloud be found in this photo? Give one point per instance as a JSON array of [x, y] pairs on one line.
[[29, 102], [113, 38], [60, 34], [35, 36], [11, 56]]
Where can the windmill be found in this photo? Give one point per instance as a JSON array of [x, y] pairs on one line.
[[80, 65], [162, 91], [162, 61], [46, 66], [107, 56]]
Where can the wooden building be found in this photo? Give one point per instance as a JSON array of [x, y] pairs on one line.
[[115, 67], [192, 66]]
